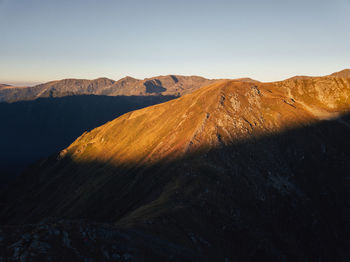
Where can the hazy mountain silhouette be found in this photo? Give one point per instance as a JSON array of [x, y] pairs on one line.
[[236, 171], [3, 86]]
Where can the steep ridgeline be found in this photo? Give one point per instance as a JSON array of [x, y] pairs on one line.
[[236, 171], [162, 85]]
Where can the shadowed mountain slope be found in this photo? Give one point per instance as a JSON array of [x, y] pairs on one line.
[[31, 130], [236, 171]]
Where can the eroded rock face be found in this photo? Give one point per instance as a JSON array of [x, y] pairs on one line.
[[236, 171]]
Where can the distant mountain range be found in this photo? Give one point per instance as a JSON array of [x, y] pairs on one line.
[[162, 85], [234, 171], [170, 85]]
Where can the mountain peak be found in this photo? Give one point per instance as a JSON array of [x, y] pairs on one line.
[[128, 79]]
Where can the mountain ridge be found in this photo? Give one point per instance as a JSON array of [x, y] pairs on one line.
[[233, 171], [164, 85]]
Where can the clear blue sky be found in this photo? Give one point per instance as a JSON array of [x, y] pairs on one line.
[[42, 40]]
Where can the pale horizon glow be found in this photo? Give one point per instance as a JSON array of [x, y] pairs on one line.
[[267, 40]]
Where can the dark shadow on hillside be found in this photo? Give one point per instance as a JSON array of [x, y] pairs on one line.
[[174, 78], [281, 197], [154, 86], [31, 130]]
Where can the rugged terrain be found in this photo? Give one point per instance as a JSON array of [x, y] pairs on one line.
[[235, 171]]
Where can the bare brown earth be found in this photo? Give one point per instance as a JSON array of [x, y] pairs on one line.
[[235, 171]]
